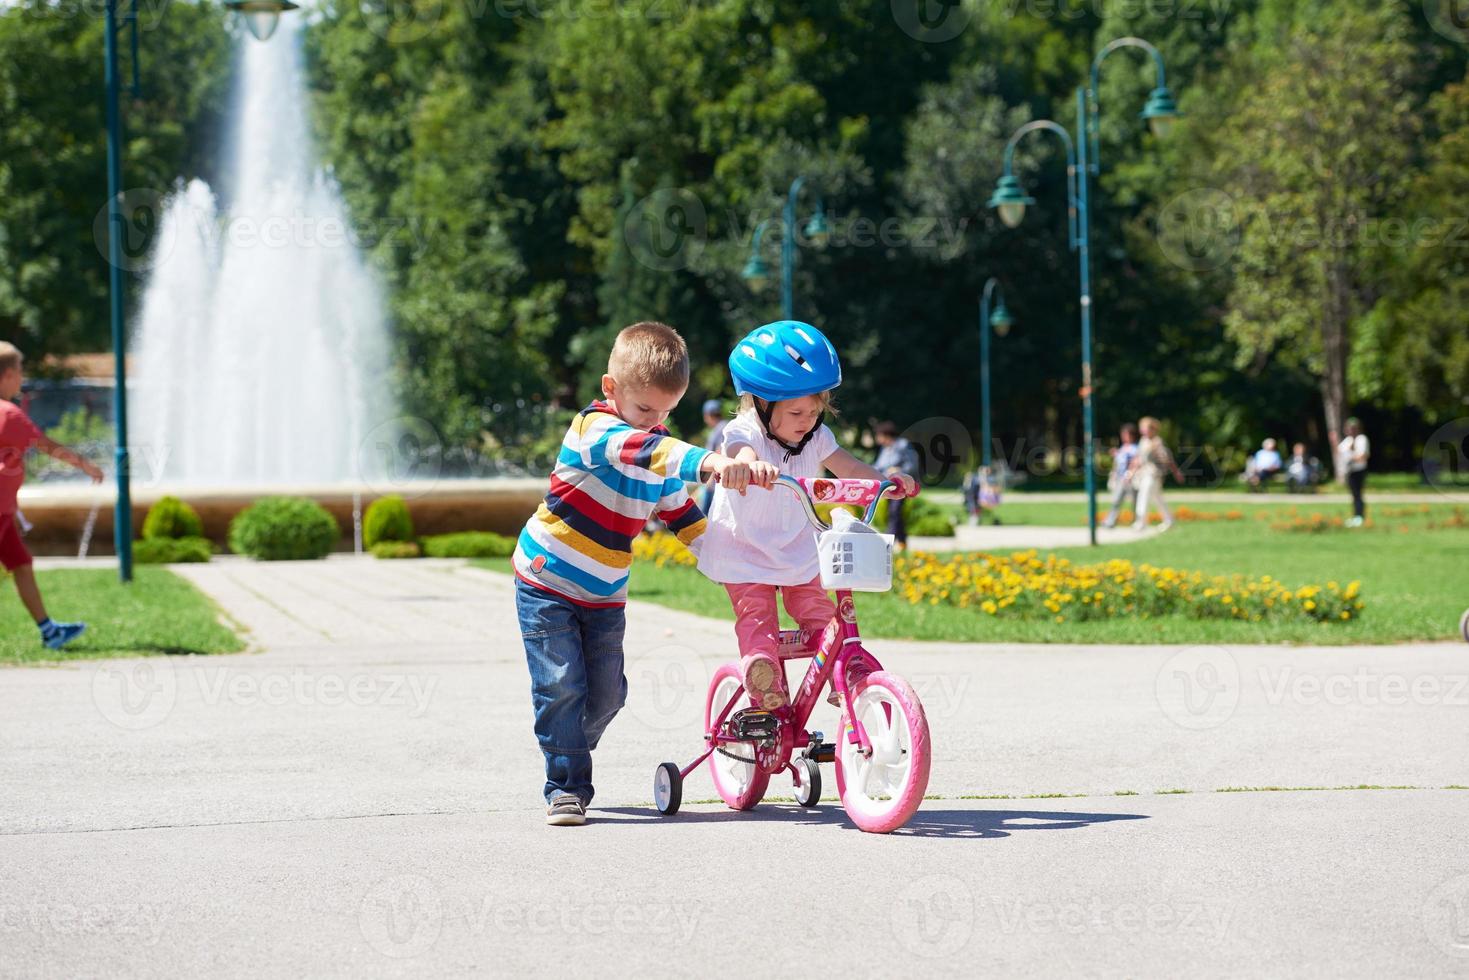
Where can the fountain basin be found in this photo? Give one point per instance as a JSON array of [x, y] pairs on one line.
[[58, 512]]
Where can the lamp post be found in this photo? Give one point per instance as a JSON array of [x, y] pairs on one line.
[[260, 17], [756, 273], [1000, 321], [1010, 200]]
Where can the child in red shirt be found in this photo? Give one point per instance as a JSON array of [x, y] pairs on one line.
[[17, 434]]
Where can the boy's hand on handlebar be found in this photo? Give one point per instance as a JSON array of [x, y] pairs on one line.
[[763, 474], [733, 474]]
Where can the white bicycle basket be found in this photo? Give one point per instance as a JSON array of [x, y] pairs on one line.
[[854, 556]]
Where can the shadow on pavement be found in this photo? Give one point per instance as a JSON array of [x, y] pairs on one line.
[[927, 822]]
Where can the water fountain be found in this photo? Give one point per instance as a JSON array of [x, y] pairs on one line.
[[262, 347]]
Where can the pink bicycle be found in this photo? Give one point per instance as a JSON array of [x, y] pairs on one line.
[[882, 756]]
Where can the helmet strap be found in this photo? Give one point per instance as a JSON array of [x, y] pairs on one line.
[[765, 411]]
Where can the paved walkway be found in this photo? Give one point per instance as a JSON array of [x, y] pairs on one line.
[[360, 797]]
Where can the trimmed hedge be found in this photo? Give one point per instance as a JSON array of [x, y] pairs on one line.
[[284, 528], [172, 518], [167, 551], [468, 544], [921, 517], [395, 549], [387, 519]]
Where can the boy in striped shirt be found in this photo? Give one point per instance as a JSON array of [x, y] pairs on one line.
[[617, 465]]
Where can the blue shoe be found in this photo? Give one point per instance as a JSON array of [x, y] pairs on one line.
[[63, 634]]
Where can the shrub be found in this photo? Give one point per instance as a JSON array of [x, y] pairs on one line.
[[283, 528], [172, 518], [387, 519], [922, 517], [166, 550], [468, 544], [931, 526], [395, 549]]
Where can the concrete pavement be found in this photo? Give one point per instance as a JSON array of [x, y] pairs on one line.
[[361, 797]]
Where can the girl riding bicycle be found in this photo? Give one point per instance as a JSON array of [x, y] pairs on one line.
[[759, 544]]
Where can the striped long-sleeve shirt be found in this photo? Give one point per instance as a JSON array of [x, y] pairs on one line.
[[609, 477]]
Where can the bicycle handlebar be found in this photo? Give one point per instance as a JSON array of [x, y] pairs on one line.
[[803, 494]]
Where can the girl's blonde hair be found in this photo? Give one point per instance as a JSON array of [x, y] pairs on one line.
[[747, 402]]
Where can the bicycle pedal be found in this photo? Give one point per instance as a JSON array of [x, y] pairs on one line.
[[754, 723]]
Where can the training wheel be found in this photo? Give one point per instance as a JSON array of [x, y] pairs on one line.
[[808, 790], [1464, 626], [667, 788]]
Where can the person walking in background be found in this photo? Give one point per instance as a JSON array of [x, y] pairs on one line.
[[896, 456], [1152, 456], [17, 435], [1352, 453], [1119, 481], [715, 420]]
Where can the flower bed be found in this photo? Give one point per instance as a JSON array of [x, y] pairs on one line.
[[1028, 586]]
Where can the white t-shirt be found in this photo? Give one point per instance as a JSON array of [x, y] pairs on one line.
[[764, 536], [1350, 446]]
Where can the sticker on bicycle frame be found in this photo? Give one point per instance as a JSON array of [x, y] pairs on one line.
[[847, 610]]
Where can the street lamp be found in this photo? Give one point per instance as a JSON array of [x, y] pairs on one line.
[[1000, 321], [816, 232], [1010, 200], [260, 17], [756, 272]]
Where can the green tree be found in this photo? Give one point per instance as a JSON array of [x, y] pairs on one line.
[[53, 179], [1313, 152], [1417, 347]]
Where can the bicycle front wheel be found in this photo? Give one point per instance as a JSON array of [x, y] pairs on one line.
[[881, 792]]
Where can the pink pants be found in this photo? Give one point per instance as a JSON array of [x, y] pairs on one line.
[[757, 622]]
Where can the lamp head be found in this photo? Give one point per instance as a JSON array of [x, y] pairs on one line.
[[1010, 200]]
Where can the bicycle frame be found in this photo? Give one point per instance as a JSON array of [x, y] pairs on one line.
[[838, 658]]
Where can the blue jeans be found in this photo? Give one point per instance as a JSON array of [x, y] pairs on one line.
[[577, 686]]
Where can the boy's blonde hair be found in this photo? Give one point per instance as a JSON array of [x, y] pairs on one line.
[[10, 356], [650, 355], [747, 402]]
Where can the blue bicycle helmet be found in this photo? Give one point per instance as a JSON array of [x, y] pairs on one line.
[[785, 359], [781, 360]]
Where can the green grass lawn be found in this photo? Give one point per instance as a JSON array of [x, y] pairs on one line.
[[1415, 581], [158, 613]]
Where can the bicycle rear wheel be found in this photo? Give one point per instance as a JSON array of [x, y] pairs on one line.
[[737, 779]]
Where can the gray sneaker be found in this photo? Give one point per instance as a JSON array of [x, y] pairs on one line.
[[566, 811]]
